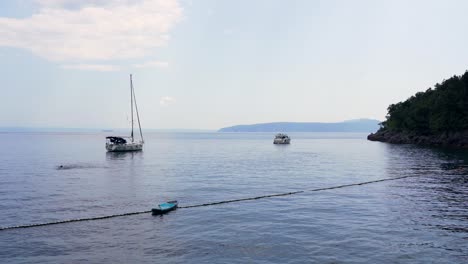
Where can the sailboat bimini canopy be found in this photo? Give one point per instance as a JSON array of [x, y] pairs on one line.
[[116, 140]]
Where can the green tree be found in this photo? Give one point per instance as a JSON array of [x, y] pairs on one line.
[[435, 111]]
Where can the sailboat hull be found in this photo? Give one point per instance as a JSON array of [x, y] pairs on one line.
[[124, 147]]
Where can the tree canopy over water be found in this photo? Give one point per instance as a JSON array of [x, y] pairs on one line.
[[441, 109]]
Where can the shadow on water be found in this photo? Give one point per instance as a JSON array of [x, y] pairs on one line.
[[425, 158], [438, 199]]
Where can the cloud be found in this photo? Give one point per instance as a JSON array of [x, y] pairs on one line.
[[93, 30], [166, 101], [92, 67], [151, 64], [78, 3]]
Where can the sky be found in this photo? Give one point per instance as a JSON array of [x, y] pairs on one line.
[[207, 64]]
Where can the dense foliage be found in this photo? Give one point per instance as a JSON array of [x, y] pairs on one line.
[[438, 110]]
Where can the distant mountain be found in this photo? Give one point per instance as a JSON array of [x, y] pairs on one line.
[[357, 125]]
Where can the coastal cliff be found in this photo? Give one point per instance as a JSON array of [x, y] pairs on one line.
[[447, 139], [436, 117]]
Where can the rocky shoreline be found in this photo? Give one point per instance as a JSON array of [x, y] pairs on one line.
[[448, 139]]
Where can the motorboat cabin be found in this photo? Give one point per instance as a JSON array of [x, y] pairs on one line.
[[281, 139]]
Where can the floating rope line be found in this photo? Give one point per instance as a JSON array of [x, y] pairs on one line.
[[208, 204], [73, 220], [296, 192]]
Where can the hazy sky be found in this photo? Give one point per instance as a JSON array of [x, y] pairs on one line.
[[211, 63]]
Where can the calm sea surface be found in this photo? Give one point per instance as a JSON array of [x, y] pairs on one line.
[[413, 220]]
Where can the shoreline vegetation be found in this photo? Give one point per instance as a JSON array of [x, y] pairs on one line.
[[436, 117]]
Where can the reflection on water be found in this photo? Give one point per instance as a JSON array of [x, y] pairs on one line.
[[123, 155]]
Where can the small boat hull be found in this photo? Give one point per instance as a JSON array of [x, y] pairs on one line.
[[165, 207], [282, 141], [124, 147]]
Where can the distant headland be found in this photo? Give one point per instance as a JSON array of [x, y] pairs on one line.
[[436, 117], [357, 125]]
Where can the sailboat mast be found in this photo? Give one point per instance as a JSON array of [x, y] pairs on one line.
[[138, 116], [131, 102]]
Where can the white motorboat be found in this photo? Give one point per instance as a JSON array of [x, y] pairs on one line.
[[119, 144], [281, 139]]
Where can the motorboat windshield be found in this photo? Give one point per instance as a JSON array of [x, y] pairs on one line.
[[281, 136]]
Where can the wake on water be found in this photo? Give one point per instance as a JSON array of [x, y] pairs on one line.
[[79, 166]]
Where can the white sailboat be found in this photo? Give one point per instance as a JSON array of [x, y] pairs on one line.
[[119, 144]]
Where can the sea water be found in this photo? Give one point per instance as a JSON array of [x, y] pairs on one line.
[[47, 177]]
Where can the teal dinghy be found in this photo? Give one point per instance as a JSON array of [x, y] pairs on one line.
[[164, 208]]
